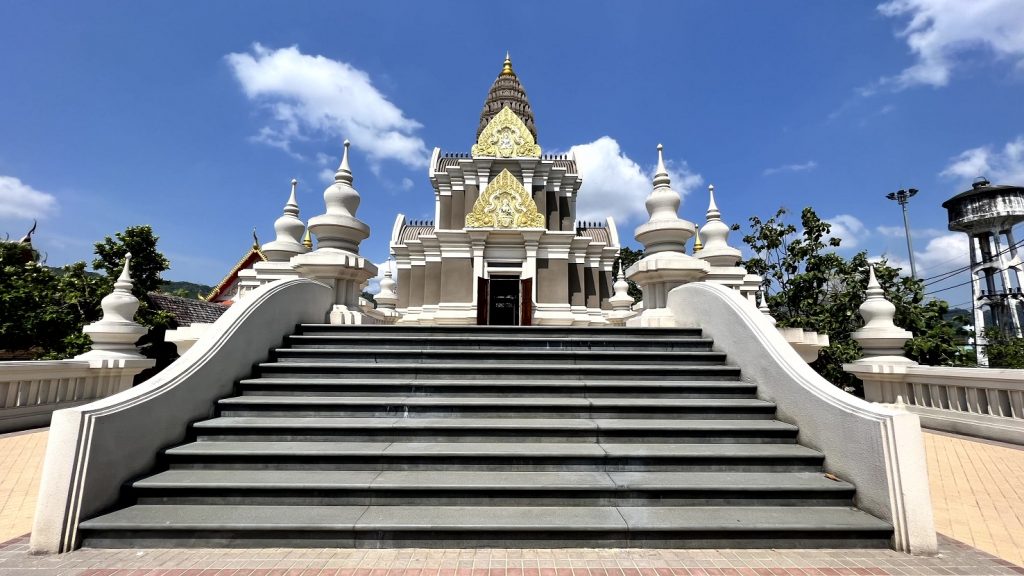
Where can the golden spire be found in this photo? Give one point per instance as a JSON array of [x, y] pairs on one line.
[[506, 70], [307, 241], [697, 246]]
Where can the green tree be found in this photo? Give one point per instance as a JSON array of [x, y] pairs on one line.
[[810, 286], [1003, 350], [42, 310]]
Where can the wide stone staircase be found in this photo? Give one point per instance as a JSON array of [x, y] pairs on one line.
[[374, 436]]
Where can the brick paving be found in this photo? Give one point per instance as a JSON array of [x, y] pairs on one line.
[[977, 492]]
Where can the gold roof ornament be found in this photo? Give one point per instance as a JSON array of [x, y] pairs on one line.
[[307, 240], [506, 69], [506, 136], [697, 246], [505, 203]]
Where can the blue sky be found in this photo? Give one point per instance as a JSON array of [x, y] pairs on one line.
[[193, 117]]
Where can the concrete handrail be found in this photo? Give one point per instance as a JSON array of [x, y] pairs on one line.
[[878, 449], [95, 448]]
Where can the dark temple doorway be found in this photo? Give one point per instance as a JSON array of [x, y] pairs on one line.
[[503, 307]]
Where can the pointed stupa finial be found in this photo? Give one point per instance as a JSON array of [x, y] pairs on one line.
[[713, 212], [661, 177], [697, 246], [288, 228], [124, 281], [344, 173], [307, 240], [506, 69]]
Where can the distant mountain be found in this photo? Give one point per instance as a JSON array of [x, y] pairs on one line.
[[177, 287], [186, 289]]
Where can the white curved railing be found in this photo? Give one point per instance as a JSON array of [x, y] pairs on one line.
[[95, 448], [878, 449]]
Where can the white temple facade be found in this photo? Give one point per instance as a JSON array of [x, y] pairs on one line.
[[504, 247]]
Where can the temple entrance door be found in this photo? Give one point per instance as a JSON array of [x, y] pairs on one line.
[[504, 301], [503, 305]]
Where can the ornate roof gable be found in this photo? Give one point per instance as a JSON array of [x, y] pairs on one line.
[[506, 136], [505, 203]]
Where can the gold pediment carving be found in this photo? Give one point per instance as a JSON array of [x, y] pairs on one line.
[[505, 203], [506, 136]]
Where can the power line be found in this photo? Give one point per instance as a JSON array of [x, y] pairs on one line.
[[947, 275]]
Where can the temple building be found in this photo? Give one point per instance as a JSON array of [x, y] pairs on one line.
[[504, 247]]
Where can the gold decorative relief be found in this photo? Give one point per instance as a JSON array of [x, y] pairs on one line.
[[505, 203], [506, 136]]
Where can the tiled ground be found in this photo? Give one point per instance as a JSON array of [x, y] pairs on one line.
[[21, 464], [955, 558], [977, 493]]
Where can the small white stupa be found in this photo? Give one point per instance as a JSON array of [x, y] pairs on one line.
[[880, 338], [114, 335], [336, 260], [665, 264], [723, 258]]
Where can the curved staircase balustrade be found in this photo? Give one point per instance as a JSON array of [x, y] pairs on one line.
[[877, 449], [95, 448]]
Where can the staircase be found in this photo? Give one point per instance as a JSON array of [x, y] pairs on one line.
[[373, 436]]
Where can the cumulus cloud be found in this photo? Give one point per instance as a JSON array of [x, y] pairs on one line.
[[311, 97], [804, 167], [615, 185], [940, 31], [19, 200], [1002, 166], [847, 228], [942, 254], [897, 232]]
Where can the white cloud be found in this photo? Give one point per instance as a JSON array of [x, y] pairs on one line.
[[898, 232], [940, 31], [407, 184], [373, 284], [942, 254], [315, 97], [19, 200], [804, 167], [615, 185], [847, 228], [1004, 166], [326, 175]]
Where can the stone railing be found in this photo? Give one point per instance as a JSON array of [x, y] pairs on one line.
[[30, 391], [877, 448], [983, 402]]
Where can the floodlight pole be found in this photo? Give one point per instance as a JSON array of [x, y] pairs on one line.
[[902, 197]]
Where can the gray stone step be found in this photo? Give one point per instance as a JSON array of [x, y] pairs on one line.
[[523, 407], [519, 332], [540, 387], [157, 526], [502, 371], [501, 357], [490, 488], [494, 429], [528, 456], [470, 341]]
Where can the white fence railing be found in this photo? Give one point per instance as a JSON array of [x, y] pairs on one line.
[[31, 390], [983, 402]]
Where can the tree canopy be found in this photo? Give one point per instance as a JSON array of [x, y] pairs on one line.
[[810, 286]]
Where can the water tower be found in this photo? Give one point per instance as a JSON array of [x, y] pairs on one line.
[[987, 213]]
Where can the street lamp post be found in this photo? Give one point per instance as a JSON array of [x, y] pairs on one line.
[[902, 197]]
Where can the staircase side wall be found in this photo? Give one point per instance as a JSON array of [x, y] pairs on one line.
[[879, 450], [94, 449]]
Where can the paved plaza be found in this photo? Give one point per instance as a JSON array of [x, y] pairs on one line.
[[977, 491]]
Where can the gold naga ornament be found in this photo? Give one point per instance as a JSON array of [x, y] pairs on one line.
[[506, 136], [505, 203]]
